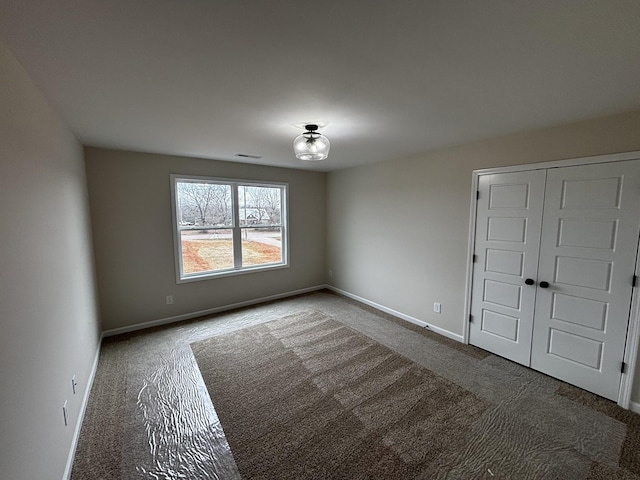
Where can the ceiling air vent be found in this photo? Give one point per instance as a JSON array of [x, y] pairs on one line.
[[246, 155]]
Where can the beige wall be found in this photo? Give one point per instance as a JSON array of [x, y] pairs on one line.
[[48, 315], [397, 231], [131, 215]]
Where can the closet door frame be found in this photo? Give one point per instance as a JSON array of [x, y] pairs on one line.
[[633, 331]]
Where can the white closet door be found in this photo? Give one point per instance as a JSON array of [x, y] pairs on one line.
[[587, 256], [509, 212]]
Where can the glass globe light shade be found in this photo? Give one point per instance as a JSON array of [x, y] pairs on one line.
[[311, 146]]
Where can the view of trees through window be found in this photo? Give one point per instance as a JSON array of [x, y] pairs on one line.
[[227, 225]]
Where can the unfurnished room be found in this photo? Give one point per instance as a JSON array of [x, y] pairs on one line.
[[333, 240]]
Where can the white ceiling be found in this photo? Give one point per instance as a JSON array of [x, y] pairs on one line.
[[212, 78]]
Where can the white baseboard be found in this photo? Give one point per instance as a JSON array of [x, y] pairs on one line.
[[209, 311], [83, 409], [634, 407], [395, 313]]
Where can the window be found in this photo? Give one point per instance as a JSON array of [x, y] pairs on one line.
[[225, 227]]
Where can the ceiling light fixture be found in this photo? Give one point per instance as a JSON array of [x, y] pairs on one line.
[[311, 145]]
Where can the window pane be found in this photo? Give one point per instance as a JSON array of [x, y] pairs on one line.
[[203, 204], [206, 250], [259, 205], [261, 246], [212, 215]]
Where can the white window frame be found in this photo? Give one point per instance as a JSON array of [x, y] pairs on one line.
[[236, 228]]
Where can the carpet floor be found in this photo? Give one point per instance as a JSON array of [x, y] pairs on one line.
[[306, 397], [150, 416]]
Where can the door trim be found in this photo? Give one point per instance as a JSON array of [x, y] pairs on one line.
[[470, 249], [633, 339], [633, 330]]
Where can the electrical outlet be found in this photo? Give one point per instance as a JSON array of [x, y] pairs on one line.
[[64, 413], [169, 299], [330, 273], [74, 384], [437, 308]]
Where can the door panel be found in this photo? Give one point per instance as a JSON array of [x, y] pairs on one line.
[[502, 293], [588, 249], [507, 229], [581, 311], [509, 196], [578, 194], [508, 222], [500, 325], [582, 272], [588, 233], [504, 261], [580, 350]]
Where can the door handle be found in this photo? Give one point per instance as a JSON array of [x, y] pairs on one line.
[[544, 284], [529, 281]]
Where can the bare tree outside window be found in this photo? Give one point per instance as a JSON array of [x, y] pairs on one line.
[[267, 202], [205, 204]]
